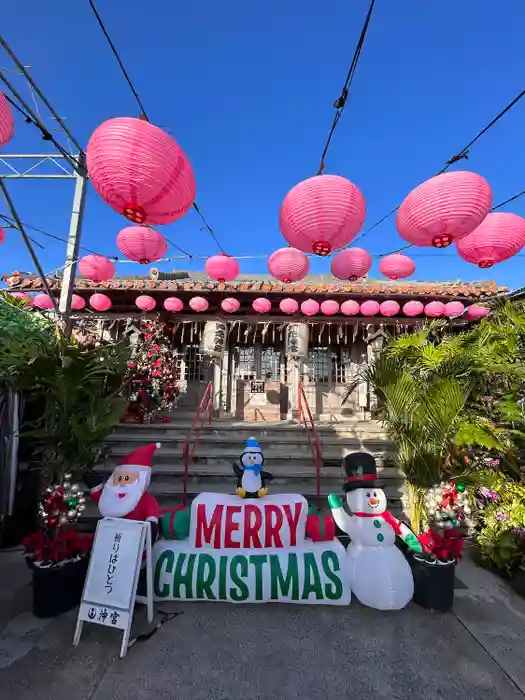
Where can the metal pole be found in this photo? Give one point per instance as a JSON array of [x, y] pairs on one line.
[[73, 243]]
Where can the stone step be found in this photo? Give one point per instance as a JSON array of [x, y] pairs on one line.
[[205, 438]]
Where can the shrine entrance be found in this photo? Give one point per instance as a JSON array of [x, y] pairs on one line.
[[259, 382]]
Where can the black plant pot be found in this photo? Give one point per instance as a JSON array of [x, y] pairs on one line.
[[518, 582], [57, 589], [433, 582]]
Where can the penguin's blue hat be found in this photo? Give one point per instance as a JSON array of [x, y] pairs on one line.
[[252, 445]]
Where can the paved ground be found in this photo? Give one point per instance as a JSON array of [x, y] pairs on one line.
[[214, 651]]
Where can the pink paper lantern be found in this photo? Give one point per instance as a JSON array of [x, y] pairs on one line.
[[140, 171], [222, 268], [230, 306], [77, 303], [351, 264], [322, 214], [444, 209], [96, 268], [142, 244], [435, 309], [145, 302], [369, 308], [413, 308], [173, 304], [288, 306], [476, 312], [288, 265], [389, 308], [7, 123], [22, 296], [454, 308], [396, 266], [262, 305], [2, 235], [198, 304], [310, 307], [99, 302], [350, 307], [329, 307], [43, 302], [497, 238]]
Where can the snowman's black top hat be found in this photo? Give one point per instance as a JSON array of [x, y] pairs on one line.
[[361, 472]]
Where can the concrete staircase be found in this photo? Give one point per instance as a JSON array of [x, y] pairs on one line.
[[286, 452]]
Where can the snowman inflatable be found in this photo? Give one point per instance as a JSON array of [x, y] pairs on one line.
[[251, 479], [380, 575]]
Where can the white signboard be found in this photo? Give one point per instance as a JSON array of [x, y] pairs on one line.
[[258, 400], [110, 589]]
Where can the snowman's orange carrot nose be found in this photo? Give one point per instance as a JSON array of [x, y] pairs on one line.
[[373, 501]]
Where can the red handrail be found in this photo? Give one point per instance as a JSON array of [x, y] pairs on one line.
[[204, 413], [304, 416]]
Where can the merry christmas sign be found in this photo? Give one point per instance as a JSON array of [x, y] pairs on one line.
[[251, 551]]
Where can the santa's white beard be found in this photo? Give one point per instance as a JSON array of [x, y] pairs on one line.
[[118, 501]]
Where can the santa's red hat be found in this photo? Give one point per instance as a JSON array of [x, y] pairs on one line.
[[140, 459]]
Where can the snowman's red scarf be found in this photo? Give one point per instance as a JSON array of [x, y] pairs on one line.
[[387, 517]]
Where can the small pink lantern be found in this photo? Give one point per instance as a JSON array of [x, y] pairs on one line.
[[435, 309], [350, 307], [145, 302], [454, 308], [230, 305], [322, 214], [262, 305], [310, 307], [222, 268], [2, 235], [22, 296], [497, 238], [389, 308], [369, 308], [397, 266], [99, 302], [329, 307], [199, 304], [140, 171], [351, 264], [142, 244], [173, 304], [444, 209], [43, 302], [7, 123], [476, 312], [77, 303], [96, 268], [288, 306], [413, 308], [288, 265]]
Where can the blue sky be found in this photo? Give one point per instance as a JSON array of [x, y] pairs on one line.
[[247, 89]]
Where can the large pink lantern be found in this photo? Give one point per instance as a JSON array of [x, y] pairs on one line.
[[288, 265], [43, 302], [7, 124], [476, 312], [454, 308], [230, 305], [444, 209], [351, 264], [322, 214], [99, 302], [288, 306], [435, 309], [497, 238], [262, 305], [145, 302], [413, 308], [310, 307], [389, 308], [198, 304], [77, 303], [140, 171], [222, 268], [96, 268], [173, 304], [350, 307], [142, 244], [397, 266], [369, 308], [329, 307]]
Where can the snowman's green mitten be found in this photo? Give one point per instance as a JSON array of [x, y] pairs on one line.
[[413, 542], [334, 501]]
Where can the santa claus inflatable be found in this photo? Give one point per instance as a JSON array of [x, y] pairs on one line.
[[125, 493]]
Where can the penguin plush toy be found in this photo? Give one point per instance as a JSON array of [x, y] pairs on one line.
[[251, 479]]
